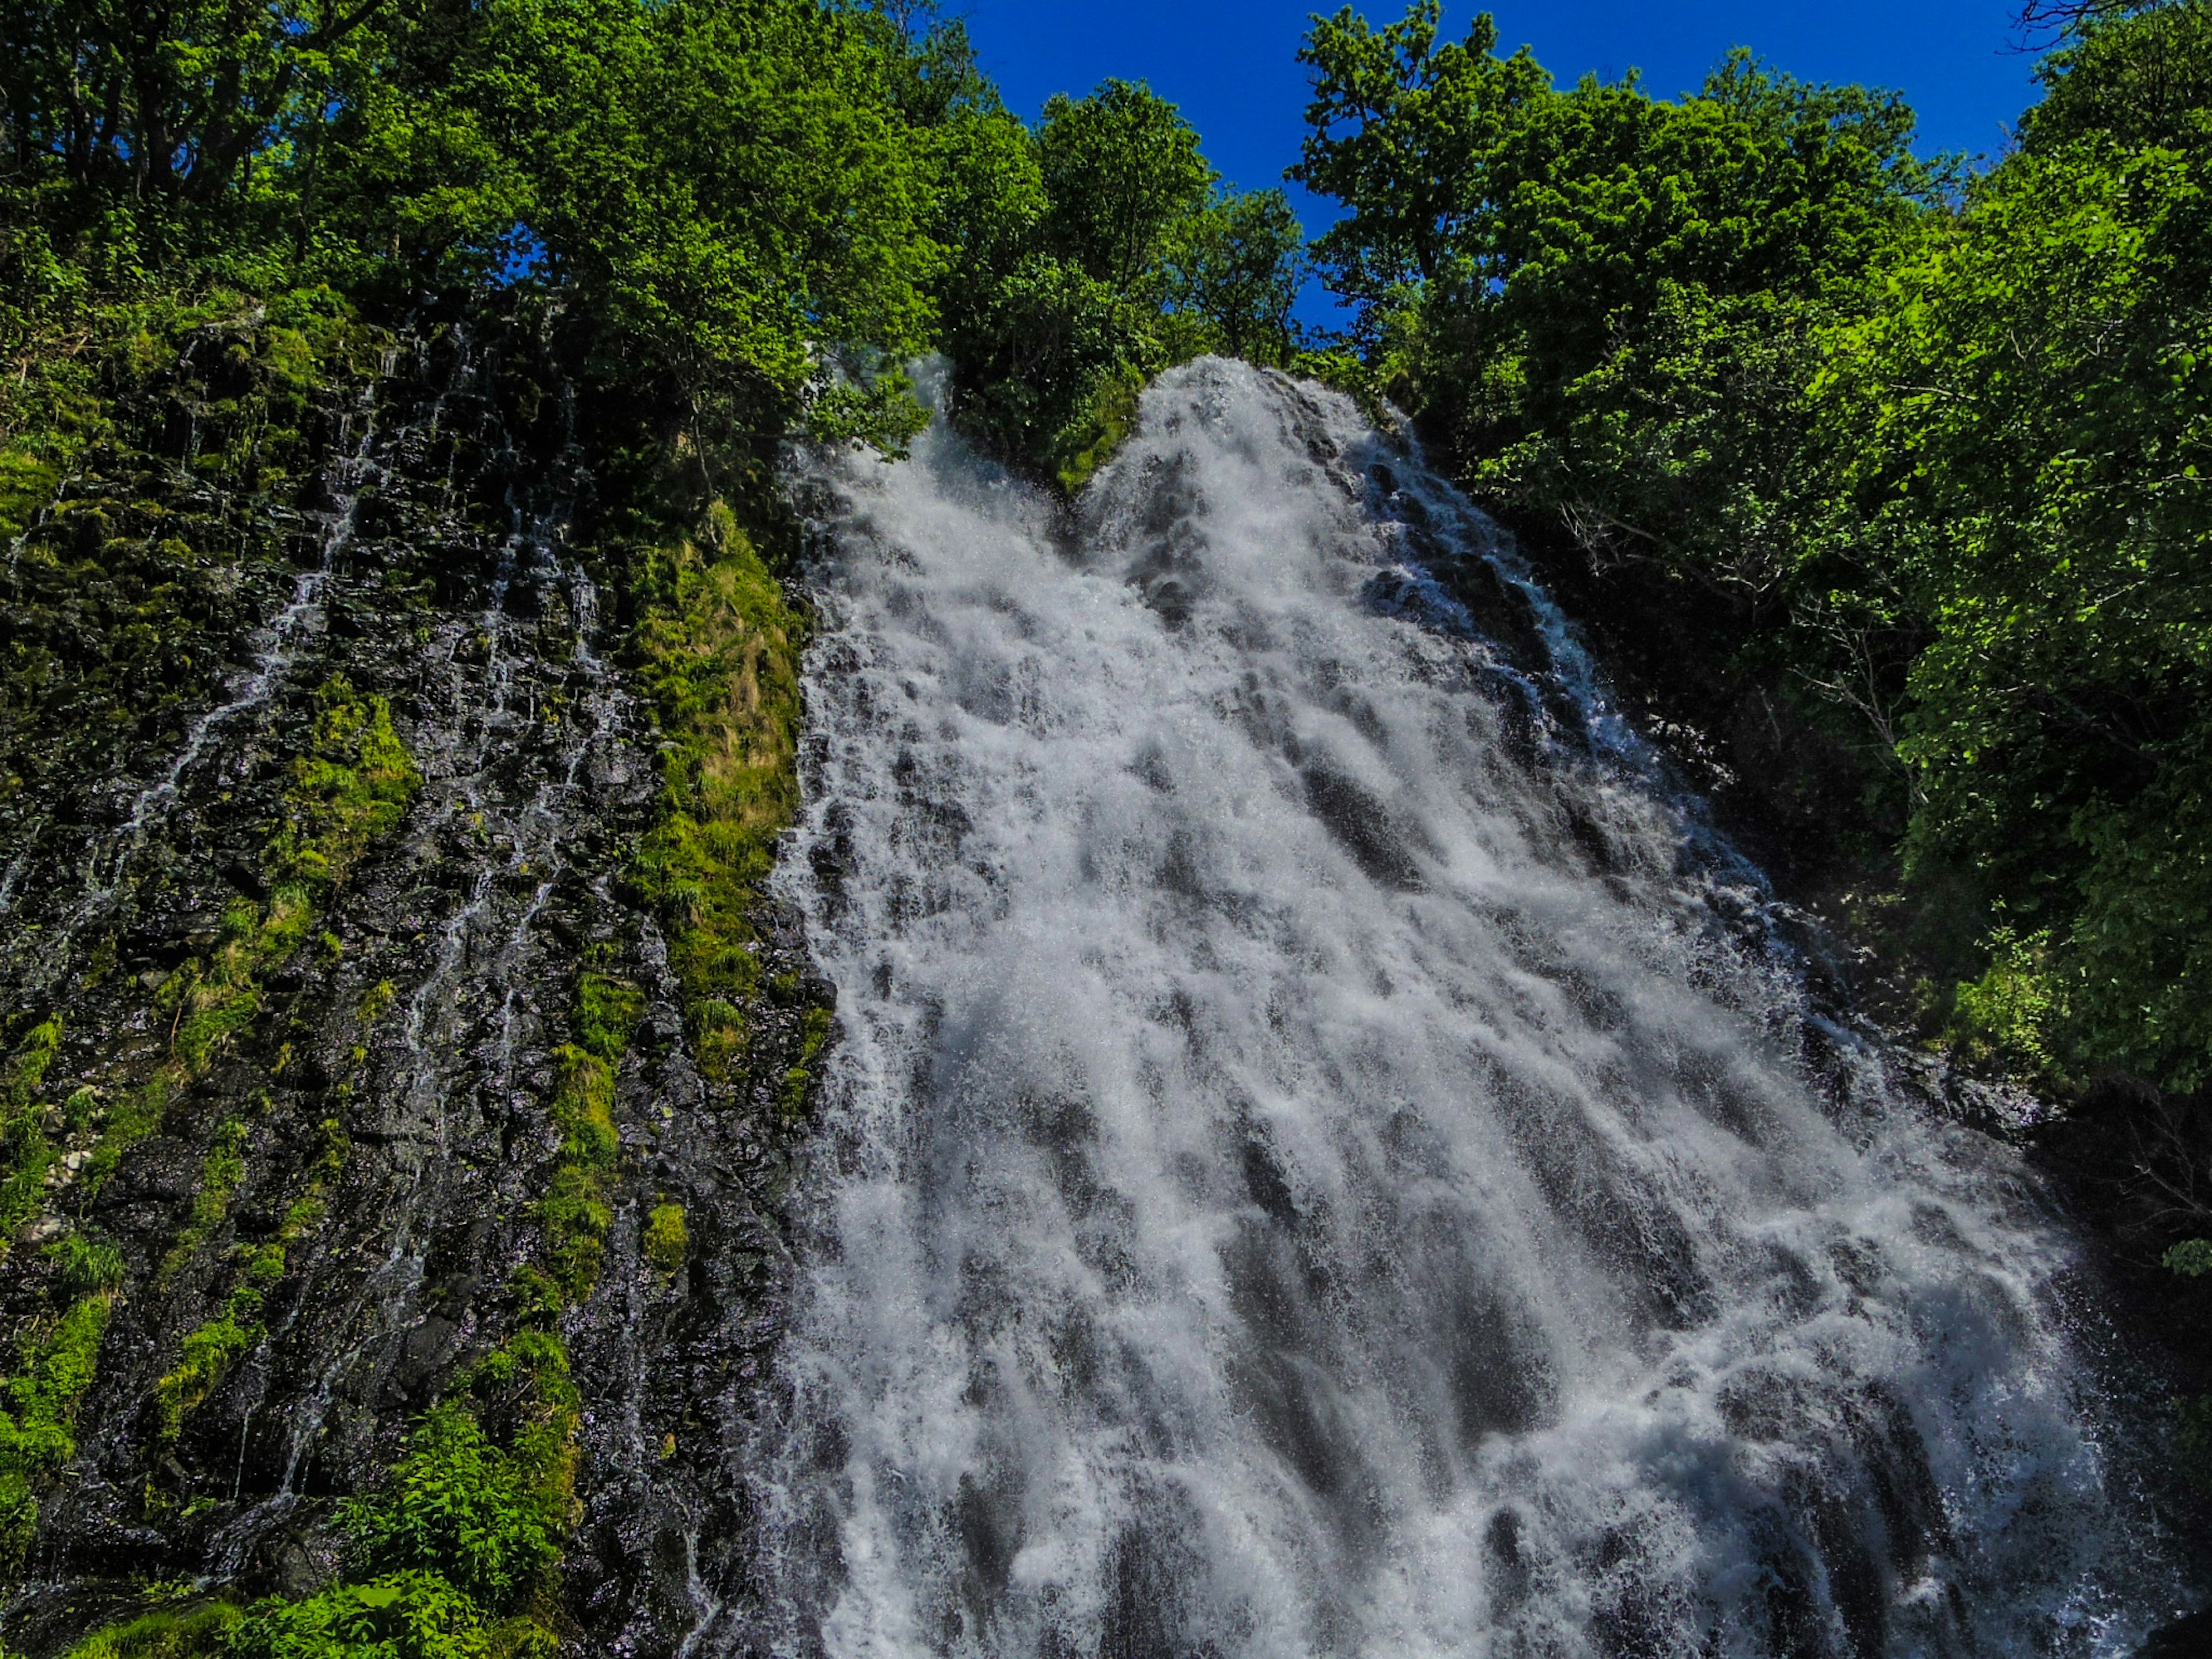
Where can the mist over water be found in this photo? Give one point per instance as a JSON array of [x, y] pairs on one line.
[[1326, 1155]]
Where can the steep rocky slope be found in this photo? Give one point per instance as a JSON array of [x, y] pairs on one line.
[[391, 1020]]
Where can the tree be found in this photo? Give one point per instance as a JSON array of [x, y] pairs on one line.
[[1119, 169], [1402, 130], [2140, 76], [2027, 425], [1239, 266], [176, 97]]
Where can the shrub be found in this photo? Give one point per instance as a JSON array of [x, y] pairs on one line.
[[402, 1615], [462, 1507]]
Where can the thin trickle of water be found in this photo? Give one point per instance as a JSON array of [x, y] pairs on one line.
[[502, 779], [8, 882], [109, 859], [467, 791], [1320, 1158]]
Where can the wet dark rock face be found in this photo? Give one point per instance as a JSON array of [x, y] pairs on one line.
[[387, 1102]]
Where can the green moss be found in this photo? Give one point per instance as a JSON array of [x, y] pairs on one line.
[[717, 652], [124, 555], [307, 1210], [136, 1115], [720, 1033], [667, 1240], [355, 785], [573, 1212], [59, 1361], [464, 1540], [608, 1011], [197, 1632], [27, 481], [209, 1354], [26, 1069], [25, 1152], [221, 1171], [814, 1032], [375, 1000], [1088, 441]]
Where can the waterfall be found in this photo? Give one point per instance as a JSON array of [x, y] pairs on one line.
[[1326, 1154]]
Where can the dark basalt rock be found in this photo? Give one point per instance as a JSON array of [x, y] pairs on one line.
[[431, 556]]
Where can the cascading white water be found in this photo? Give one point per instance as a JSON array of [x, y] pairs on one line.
[[1318, 1160]]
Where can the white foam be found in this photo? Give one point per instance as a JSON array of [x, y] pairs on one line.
[[1286, 1189]]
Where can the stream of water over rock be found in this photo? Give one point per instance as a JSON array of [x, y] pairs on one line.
[[1329, 1154]]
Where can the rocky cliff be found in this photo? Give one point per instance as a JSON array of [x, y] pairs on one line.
[[400, 1062]]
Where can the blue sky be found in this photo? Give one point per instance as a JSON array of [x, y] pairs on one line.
[[1231, 63]]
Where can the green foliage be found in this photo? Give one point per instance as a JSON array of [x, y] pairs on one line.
[[2010, 1010], [463, 1507], [537, 1300], [1119, 169], [2139, 80], [1923, 468], [1600, 303], [667, 133], [667, 1240], [2192, 1257], [1402, 132], [403, 1615], [1099, 426], [1097, 252], [172, 110], [1237, 266], [453, 1557], [2026, 422]]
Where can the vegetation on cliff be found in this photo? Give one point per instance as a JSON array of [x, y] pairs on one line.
[[1911, 462], [1894, 477]]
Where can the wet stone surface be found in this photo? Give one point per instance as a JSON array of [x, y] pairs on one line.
[[402, 1058]]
